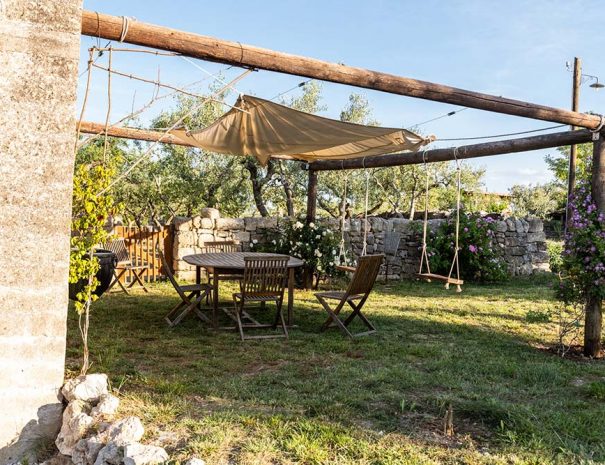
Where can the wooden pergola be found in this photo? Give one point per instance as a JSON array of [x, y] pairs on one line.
[[246, 56]]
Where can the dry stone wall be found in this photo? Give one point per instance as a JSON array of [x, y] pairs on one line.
[[523, 240]]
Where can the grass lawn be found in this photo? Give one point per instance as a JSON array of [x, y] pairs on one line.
[[381, 399]]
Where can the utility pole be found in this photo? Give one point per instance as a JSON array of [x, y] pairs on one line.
[[575, 101]]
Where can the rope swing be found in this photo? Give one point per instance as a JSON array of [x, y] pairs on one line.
[[365, 214], [424, 257]]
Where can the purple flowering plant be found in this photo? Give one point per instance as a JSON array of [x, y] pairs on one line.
[[480, 256], [583, 260]]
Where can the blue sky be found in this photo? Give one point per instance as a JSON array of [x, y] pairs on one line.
[[516, 49]]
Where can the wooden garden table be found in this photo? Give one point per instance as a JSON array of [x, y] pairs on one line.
[[225, 264]]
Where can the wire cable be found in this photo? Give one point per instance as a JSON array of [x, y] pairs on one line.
[[503, 135], [300, 84], [451, 113]]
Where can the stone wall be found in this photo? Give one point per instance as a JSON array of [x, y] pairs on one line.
[[39, 54], [523, 240]]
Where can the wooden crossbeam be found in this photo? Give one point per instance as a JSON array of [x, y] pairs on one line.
[[486, 149], [234, 53]]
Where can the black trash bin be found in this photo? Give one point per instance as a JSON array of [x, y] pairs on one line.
[[107, 261]]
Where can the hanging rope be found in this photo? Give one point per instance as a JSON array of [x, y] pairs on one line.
[[342, 252], [108, 114], [455, 260], [365, 215], [175, 125], [424, 258]]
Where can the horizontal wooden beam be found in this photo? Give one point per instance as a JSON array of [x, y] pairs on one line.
[[234, 53], [124, 132], [87, 127], [463, 152]]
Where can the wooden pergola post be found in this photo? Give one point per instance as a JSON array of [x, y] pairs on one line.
[[594, 307], [312, 196]]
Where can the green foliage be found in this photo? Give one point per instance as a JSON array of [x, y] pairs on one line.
[[313, 243], [555, 255], [95, 170], [559, 164], [480, 257], [540, 200], [583, 264], [96, 167]]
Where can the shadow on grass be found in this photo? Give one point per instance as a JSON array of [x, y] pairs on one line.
[[400, 380]]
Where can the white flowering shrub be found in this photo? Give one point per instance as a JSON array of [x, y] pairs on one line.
[[313, 243]]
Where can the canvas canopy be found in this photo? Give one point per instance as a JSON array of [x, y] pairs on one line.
[[263, 129]]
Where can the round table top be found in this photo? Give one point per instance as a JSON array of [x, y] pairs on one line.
[[232, 260]]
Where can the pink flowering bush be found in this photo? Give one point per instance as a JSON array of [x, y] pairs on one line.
[[583, 260], [480, 256]]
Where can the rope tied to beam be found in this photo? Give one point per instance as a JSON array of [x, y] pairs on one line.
[[597, 130], [125, 23]]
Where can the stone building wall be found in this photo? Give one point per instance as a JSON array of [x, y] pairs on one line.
[[39, 54], [523, 240]]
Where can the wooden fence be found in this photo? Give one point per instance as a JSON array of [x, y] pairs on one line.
[[141, 244]]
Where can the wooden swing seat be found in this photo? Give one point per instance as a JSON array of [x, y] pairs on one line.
[[438, 277]]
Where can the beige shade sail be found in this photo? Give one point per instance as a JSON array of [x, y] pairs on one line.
[[263, 129]]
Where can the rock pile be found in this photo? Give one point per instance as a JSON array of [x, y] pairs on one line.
[[90, 435]]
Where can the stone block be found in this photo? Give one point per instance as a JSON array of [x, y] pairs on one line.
[[230, 223], [510, 225], [207, 223], [210, 213], [402, 225], [196, 221], [206, 238], [241, 236], [182, 223], [535, 225], [536, 237], [518, 226], [377, 224], [186, 238]]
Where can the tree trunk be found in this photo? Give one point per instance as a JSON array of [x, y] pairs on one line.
[[594, 313], [257, 186], [592, 328], [287, 191]]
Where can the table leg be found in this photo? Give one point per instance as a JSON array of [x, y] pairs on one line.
[[290, 295], [198, 281], [215, 280]]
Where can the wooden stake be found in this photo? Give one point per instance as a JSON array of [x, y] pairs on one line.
[[234, 53], [573, 150], [463, 152], [594, 313]]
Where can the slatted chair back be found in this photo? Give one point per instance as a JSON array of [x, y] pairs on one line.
[[221, 247], [391, 242], [118, 246], [265, 275], [168, 270], [365, 275]]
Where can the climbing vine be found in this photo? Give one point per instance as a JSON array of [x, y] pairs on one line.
[[95, 168]]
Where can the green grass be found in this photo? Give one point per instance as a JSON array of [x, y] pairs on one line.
[[320, 398]]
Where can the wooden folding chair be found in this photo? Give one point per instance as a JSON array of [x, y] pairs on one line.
[[125, 264], [222, 247], [356, 295], [191, 296], [264, 281]]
